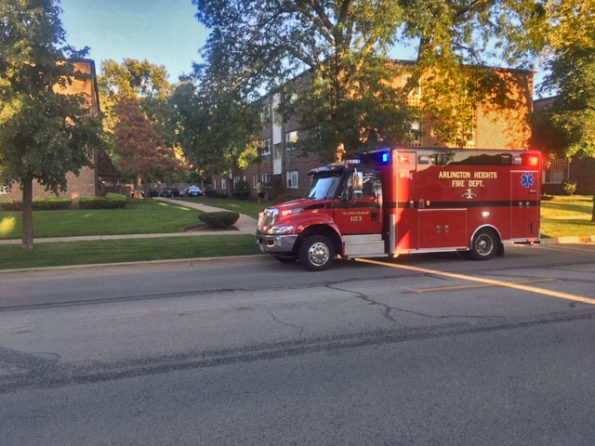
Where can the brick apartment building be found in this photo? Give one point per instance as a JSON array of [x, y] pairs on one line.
[[498, 129], [90, 180]]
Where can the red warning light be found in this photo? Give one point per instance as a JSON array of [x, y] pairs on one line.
[[533, 160]]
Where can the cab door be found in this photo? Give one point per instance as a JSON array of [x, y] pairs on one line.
[[358, 209]]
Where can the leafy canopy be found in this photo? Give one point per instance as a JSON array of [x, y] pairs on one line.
[[571, 65], [341, 47], [44, 133]]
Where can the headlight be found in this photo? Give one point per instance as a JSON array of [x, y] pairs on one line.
[[281, 229], [292, 211]]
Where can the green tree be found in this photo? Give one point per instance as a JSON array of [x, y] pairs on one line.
[[217, 130], [571, 65], [341, 46], [343, 96], [143, 150], [43, 134]]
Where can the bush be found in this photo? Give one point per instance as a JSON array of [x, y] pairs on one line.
[[219, 220], [39, 204], [110, 201], [9, 205], [51, 203], [569, 187], [241, 190], [212, 193]]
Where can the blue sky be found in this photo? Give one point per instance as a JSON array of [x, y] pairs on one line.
[[164, 32]]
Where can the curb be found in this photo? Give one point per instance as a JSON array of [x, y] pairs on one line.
[[197, 260], [98, 266], [573, 239]]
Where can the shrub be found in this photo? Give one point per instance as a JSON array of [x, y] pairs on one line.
[[219, 220], [51, 203], [39, 204], [241, 190], [110, 201], [569, 187], [10, 205]]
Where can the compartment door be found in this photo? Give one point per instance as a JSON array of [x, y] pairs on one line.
[[524, 204], [442, 228]]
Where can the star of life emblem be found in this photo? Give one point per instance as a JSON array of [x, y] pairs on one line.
[[527, 180]]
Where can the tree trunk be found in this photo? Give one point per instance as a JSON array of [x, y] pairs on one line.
[[27, 187], [137, 186], [593, 211]]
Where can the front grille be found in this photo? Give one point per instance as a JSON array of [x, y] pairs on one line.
[[267, 219]]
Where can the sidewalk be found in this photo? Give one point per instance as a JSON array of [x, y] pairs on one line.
[[244, 225]]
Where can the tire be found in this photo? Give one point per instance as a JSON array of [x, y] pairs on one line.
[[286, 258], [317, 253], [484, 245]]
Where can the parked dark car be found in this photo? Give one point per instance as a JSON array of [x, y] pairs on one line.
[[169, 192]]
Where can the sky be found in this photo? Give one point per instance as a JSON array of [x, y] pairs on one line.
[[165, 32]]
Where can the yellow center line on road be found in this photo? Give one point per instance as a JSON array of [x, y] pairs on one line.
[[481, 285], [516, 286]]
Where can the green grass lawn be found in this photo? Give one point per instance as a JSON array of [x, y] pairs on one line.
[[140, 218], [567, 215], [247, 207], [129, 250]]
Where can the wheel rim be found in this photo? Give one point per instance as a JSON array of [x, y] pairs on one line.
[[318, 254], [484, 245]]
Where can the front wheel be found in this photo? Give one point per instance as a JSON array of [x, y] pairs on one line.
[[317, 253], [484, 245]]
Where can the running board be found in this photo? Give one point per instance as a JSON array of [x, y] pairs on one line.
[[368, 245]]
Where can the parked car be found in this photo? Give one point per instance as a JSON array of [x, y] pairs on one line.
[[194, 191], [169, 192]]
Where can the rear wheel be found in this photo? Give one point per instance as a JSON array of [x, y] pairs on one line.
[[484, 245], [317, 253]]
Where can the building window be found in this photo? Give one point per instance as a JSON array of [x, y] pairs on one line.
[[223, 183], [415, 133], [293, 179], [236, 180], [291, 139], [266, 147], [414, 96], [214, 184], [266, 178], [254, 181], [3, 190]]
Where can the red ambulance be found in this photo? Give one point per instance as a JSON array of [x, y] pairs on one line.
[[409, 200]]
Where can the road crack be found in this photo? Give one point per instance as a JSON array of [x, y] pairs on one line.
[[388, 309], [287, 324]]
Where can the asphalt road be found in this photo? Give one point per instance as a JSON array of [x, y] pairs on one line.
[[419, 351]]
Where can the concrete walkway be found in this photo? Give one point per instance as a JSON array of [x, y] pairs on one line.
[[244, 225]]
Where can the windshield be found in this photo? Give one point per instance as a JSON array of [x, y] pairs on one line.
[[324, 186]]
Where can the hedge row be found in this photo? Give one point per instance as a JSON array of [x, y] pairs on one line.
[[39, 204], [110, 201], [219, 220]]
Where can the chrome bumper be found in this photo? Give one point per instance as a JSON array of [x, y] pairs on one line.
[[276, 243]]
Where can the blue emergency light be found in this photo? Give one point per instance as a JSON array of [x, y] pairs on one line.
[[384, 158]]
